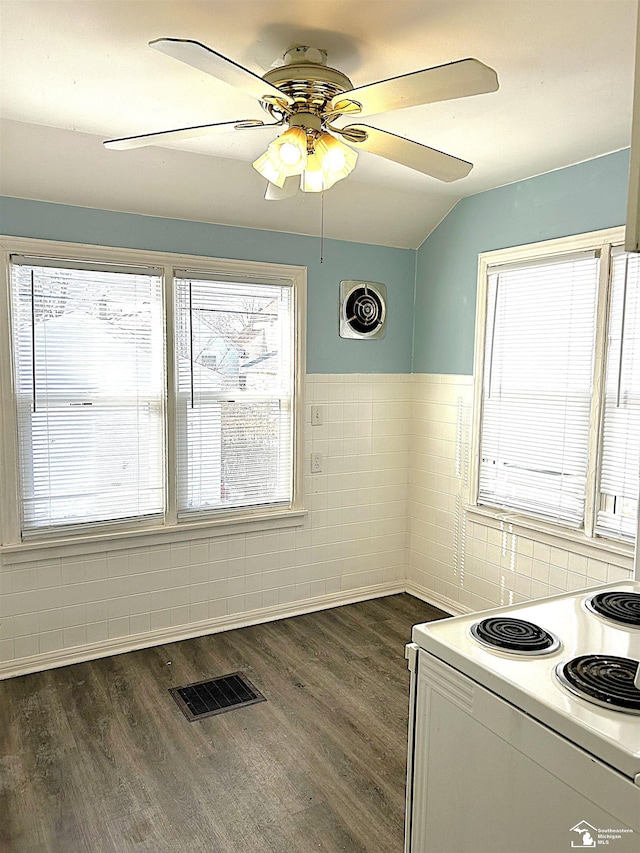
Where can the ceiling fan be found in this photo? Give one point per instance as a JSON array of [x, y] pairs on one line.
[[308, 97]]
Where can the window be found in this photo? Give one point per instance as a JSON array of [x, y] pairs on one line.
[[89, 382], [558, 384], [235, 394], [620, 462], [149, 394]]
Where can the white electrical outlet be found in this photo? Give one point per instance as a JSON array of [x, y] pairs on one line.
[[316, 415], [316, 463]]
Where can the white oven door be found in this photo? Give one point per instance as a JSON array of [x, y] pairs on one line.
[[488, 778]]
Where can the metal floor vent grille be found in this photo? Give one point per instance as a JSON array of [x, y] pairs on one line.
[[215, 696]]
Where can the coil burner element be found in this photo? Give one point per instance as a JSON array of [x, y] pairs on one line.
[[616, 605], [516, 636], [604, 680]]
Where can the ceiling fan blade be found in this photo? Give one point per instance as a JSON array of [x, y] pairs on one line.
[[202, 57], [416, 156], [290, 188], [441, 83], [143, 139]]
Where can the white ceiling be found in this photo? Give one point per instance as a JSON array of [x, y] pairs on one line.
[[75, 73]]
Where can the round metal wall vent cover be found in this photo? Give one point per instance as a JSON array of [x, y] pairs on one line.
[[362, 309]]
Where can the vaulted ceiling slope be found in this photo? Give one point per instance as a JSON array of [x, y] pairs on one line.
[[76, 73]]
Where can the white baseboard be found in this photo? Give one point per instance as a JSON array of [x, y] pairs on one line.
[[441, 601], [120, 645]]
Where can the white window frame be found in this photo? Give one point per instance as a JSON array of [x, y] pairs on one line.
[[602, 242], [99, 537]]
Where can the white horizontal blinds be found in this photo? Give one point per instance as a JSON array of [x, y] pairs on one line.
[[234, 346], [620, 462], [538, 370], [89, 377]]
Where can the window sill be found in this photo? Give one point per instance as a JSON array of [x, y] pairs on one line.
[[619, 553], [90, 543]]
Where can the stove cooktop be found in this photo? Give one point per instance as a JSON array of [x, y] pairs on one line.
[[537, 681]]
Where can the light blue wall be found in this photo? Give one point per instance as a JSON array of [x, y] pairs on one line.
[[326, 351], [580, 198]]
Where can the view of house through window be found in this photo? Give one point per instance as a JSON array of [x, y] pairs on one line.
[[89, 359], [94, 405], [560, 392], [235, 385]]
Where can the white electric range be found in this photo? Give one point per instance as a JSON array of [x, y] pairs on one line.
[[525, 727]]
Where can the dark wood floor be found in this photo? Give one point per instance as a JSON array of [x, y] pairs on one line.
[[98, 758]]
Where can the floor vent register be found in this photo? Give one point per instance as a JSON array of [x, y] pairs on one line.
[[206, 698]]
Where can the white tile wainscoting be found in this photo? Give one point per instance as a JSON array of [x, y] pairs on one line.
[[386, 514], [461, 559], [352, 545]]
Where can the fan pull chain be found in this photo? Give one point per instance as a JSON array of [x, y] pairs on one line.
[[322, 226]]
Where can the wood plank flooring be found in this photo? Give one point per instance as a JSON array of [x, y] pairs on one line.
[[98, 758]]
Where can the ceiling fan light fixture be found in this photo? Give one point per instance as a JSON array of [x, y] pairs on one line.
[[313, 178], [338, 160], [330, 162], [285, 156], [290, 149], [266, 167]]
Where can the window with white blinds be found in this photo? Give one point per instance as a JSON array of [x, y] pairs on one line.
[[537, 387], [142, 395], [234, 360], [620, 464], [558, 402], [89, 384]]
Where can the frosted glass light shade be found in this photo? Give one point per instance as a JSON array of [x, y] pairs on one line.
[[285, 156], [338, 160], [290, 150], [313, 179], [330, 162], [265, 166]]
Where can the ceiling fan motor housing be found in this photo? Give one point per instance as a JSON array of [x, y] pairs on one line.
[[363, 309], [312, 85]]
